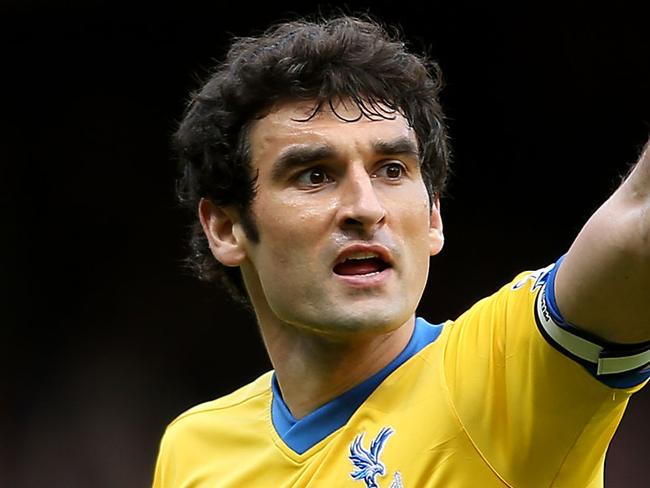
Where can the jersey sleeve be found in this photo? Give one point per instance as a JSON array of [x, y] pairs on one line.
[[616, 365], [160, 476], [533, 408]]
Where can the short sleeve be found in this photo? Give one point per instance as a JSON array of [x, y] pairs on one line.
[[532, 411], [158, 478], [616, 365]]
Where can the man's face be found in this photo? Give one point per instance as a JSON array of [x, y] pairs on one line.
[[345, 226]]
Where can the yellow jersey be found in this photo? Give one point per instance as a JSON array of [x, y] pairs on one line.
[[496, 398]]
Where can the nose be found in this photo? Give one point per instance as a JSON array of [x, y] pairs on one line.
[[360, 209]]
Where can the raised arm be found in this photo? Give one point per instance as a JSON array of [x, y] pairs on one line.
[[603, 284]]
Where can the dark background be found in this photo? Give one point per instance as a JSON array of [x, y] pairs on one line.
[[104, 338]]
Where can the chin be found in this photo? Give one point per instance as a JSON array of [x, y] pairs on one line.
[[357, 323]]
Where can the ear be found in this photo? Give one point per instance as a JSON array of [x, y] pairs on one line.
[[436, 237], [225, 237]]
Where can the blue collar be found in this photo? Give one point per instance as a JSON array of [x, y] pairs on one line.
[[301, 435]]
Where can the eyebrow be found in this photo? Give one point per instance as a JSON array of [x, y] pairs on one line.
[[300, 155], [400, 145]]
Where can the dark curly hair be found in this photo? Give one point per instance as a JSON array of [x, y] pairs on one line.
[[341, 58]]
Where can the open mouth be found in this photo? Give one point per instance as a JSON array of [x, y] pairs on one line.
[[361, 264]]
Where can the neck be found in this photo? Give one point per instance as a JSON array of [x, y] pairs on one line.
[[312, 370]]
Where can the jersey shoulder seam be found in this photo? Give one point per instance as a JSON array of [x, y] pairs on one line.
[[221, 403]]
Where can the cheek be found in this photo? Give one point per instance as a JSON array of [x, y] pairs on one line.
[[418, 244], [415, 223], [289, 234]]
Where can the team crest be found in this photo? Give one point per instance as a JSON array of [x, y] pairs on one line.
[[367, 463]]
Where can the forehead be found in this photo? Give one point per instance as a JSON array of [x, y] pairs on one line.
[[340, 125]]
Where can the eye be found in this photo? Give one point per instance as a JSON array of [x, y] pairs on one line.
[[313, 177], [392, 171]]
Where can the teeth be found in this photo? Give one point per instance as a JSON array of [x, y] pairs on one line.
[[362, 255]]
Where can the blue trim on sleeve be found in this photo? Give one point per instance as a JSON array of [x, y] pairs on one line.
[[302, 434], [619, 380], [550, 295]]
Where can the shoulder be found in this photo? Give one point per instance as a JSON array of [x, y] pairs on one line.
[[243, 401], [213, 430], [511, 304]]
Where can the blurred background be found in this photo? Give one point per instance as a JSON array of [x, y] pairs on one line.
[[104, 338]]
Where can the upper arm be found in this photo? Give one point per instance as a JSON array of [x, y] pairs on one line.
[[603, 285]]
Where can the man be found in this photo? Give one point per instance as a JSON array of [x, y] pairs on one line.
[[315, 157]]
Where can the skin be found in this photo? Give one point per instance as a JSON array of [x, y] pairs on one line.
[[325, 332], [603, 285]]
